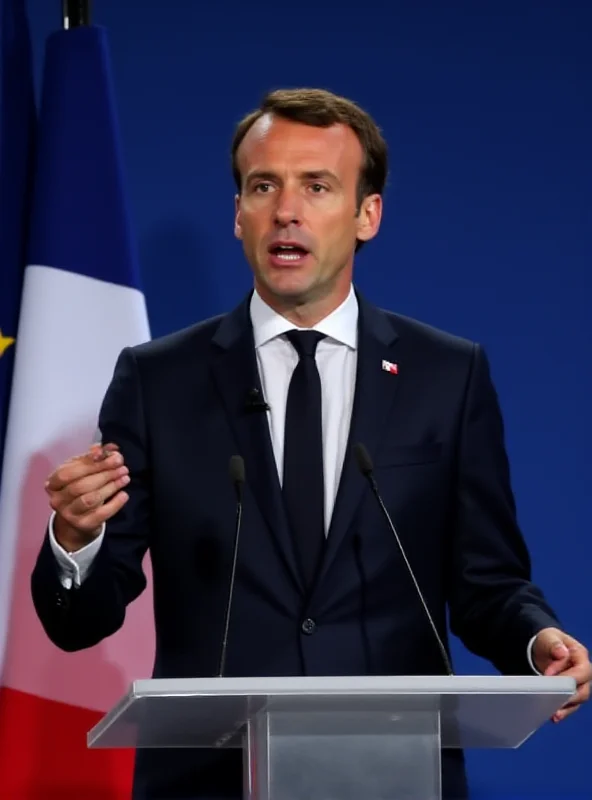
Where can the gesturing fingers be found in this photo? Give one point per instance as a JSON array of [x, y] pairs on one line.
[[87, 489], [80, 467], [89, 493], [92, 520]]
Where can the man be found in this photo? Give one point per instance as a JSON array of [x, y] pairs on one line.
[[291, 380]]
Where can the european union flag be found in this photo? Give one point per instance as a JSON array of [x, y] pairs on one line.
[[17, 127]]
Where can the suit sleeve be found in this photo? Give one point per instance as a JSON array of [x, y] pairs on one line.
[[495, 608], [82, 616]]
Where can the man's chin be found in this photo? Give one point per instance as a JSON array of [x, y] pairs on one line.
[[289, 291]]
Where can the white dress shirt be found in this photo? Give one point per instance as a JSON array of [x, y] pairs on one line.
[[336, 358]]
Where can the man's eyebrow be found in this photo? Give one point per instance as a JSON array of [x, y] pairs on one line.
[[311, 174], [260, 175]]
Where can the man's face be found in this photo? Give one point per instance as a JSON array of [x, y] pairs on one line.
[[296, 214]]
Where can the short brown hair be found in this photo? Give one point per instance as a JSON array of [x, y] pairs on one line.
[[321, 108]]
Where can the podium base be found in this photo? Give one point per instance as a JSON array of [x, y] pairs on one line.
[[341, 755]]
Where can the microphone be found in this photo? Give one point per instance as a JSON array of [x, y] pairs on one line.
[[236, 470], [367, 469], [255, 402]]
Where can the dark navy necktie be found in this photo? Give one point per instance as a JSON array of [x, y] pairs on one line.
[[303, 479]]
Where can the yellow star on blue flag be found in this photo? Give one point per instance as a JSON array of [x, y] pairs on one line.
[[5, 342]]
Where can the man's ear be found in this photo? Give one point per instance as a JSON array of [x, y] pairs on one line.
[[369, 217], [238, 230]]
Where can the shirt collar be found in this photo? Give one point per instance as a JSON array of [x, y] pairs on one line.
[[341, 325]]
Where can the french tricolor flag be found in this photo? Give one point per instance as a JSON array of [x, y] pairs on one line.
[[81, 304], [388, 366]]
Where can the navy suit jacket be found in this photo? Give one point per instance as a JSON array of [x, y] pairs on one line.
[[177, 408]]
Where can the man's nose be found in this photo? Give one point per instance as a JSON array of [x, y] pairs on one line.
[[288, 208]]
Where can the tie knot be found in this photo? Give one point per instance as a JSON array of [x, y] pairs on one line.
[[305, 342]]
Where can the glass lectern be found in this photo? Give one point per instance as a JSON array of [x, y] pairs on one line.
[[335, 738]]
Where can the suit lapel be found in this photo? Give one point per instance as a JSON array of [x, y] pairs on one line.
[[235, 373], [374, 397]]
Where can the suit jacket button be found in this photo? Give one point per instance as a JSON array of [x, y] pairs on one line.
[[309, 626]]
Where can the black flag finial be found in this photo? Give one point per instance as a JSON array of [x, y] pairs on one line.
[[75, 13]]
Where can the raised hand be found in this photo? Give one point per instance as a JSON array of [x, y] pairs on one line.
[[85, 492]]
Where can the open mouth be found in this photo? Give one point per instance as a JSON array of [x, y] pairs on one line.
[[287, 253]]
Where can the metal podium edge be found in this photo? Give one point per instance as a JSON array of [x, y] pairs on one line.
[[333, 686]]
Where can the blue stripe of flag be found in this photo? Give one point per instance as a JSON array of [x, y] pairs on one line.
[[81, 221], [17, 127]]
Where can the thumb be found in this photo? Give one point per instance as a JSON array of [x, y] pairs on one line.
[[557, 652]]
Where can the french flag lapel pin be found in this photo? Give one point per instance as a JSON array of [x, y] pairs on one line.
[[388, 366]]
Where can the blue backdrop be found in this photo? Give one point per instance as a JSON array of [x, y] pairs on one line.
[[487, 232]]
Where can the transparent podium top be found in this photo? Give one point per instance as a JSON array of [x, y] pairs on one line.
[[471, 711]]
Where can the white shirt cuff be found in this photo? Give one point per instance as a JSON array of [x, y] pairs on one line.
[[73, 567], [529, 655]]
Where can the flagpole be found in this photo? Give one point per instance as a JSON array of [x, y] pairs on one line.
[[75, 13]]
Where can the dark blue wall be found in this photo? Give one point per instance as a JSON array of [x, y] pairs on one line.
[[487, 109]]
